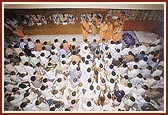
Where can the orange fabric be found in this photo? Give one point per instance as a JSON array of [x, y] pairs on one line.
[[103, 29], [19, 33], [38, 46], [117, 33], [109, 32], [66, 47], [94, 28], [85, 32]]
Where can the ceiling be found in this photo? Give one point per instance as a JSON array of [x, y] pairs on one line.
[[103, 5]]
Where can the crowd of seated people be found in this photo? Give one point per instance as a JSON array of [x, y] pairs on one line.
[[90, 76]]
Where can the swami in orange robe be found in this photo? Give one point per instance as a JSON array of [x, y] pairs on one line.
[[85, 28], [117, 33], [109, 32], [103, 30], [19, 33]]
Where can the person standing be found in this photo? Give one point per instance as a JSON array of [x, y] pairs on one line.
[[85, 28], [103, 30], [108, 33]]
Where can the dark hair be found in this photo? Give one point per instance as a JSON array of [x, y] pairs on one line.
[[86, 47], [89, 104], [10, 98], [111, 66], [106, 47], [33, 78], [63, 55], [88, 69], [109, 95], [59, 80], [73, 47], [112, 42], [26, 63], [73, 39], [85, 40], [129, 85], [78, 68], [67, 109], [45, 80], [63, 62], [118, 50], [135, 66], [96, 72], [113, 73], [83, 59], [75, 79], [43, 88], [89, 80], [149, 67], [91, 87], [52, 109], [15, 89], [73, 93], [139, 75], [37, 102], [157, 78], [74, 53], [122, 92], [147, 99], [26, 94], [118, 99], [22, 40], [12, 73], [42, 54], [111, 80], [64, 41], [72, 101], [21, 54], [86, 62], [37, 41], [97, 52], [52, 47], [22, 86], [43, 48], [132, 98], [23, 104], [145, 59], [145, 87], [45, 43], [109, 56], [103, 80], [126, 76], [74, 62], [61, 46], [88, 56], [102, 98], [154, 59], [56, 40], [101, 65]]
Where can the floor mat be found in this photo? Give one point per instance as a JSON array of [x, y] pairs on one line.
[[129, 38]]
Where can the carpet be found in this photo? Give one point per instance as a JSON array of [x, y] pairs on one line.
[[129, 38]]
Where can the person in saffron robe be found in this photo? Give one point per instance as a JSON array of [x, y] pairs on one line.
[[85, 28], [103, 30], [109, 33], [19, 32], [117, 33], [94, 28]]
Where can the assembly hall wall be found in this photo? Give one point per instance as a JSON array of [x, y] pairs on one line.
[[138, 20]]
